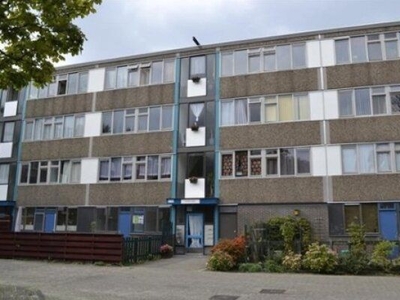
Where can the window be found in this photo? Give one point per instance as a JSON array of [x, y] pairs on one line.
[[286, 112], [349, 159], [47, 129], [127, 165], [104, 170], [4, 172], [165, 167], [299, 55], [283, 60], [133, 75], [272, 162], [83, 82], [366, 161], [24, 173], [167, 112], [106, 122], [58, 127], [115, 170], [79, 126], [198, 66], [65, 171], [118, 121], [140, 168], [395, 102], [110, 79], [72, 83], [152, 167], [154, 118], [227, 165], [75, 172], [254, 61], [366, 214], [241, 166], [363, 104], [54, 171], [38, 129], [379, 101], [240, 59], [391, 45], [255, 163], [255, 110], [62, 84], [156, 72], [271, 109], [303, 160], [145, 73], [33, 174], [169, 70], [8, 132], [122, 77], [69, 127], [358, 50], [28, 130], [197, 114], [374, 47], [287, 161], [227, 64], [43, 172], [345, 103], [130, 120], [383, 157], [143, 119], [342, 51]]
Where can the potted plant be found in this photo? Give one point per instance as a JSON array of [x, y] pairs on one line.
[[193, 179], [166, 251], [196, 79], [195, 126]]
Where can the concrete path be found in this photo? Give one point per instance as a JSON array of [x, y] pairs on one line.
[[184, 277]]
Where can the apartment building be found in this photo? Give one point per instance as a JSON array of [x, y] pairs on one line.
[[213, 138]]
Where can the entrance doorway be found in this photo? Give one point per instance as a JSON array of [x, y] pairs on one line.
[[195, 228]]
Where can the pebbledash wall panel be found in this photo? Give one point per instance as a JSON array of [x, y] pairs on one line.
[[271, 190], [302, 80], [361, 188], [132, 144], [51, 195], [135, 97], [365, 129], [286, 134], [137, 193], [60, 105]]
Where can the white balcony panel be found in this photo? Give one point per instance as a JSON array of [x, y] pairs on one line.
[[96, 80], [334, 158], [6, 150], [196, 138], [197, 89], [10, 109], [92, 124], [313, 54], [316, 105], [318, 163], [3, 192], [89, 170], [195, 190], [331, 105], [328, 53]]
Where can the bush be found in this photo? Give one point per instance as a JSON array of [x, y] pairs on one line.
[[220, 261], [250, 268], [236, 248], [292, 262], [396, 266], [380, 255], [272, 266], [320, 259]]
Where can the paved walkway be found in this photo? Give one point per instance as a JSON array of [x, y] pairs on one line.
[[184, 277]]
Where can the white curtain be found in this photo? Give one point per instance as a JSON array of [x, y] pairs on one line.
[[65, 171], [227, 113], [384, 162], [152, 167], [196, 109], [104, 170], [241, 111], [196, 229], [363, 103], [366, 158], [166, 167], [349, 160]]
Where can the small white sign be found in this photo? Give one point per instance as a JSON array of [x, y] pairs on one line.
[[208, 235], [190, 201]]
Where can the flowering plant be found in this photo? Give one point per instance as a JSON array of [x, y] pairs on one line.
[[165, 249]]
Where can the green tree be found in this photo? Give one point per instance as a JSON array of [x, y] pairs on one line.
[[34, 34]]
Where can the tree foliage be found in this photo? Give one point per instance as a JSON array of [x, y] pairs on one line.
[[34, 34]]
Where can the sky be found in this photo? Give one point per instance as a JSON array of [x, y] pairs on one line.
[[129, 27]]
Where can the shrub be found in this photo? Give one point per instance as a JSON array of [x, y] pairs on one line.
[[380, 255], [292, 262], [396, 265], [320, 259], [250, 268], [236, 248], [220, 261], [272, 266]]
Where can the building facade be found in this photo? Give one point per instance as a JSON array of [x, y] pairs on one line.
[[212, 138]]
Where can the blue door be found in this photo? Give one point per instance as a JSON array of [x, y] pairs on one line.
[[124, 223], [194, 234], [50, 220], [388, 222]]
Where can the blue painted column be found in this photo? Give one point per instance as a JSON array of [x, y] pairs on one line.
[[216, 144]]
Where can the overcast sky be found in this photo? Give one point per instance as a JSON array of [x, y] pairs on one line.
[[129, 27]]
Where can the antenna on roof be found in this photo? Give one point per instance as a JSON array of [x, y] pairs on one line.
[[196, 42]]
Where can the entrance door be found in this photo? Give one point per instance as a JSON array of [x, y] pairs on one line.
[[388, 224], [195, 227], [124, 223], [227, 226], [50, 220]]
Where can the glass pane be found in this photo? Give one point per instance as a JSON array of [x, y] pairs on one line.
[[75, 172], [374, 51], [349, 159], [169, 70], [152, 167], [127, 171], [38, 129], [154, 122], [106, 122], [240, 62], [43, 174], [227, 113], [342, 51], [104, 166], [303, 161], [69, 127], [352, 214], [122, 77], [47, 131], [269, 61], [72, 83], [8, 133], [391, 49], [254, 63], [395, 102], [379, 104], [366, 160], [4, 170], [156, 72], [272, 165], [28, 131], [227, 168], [271, 110], [345, 103], [144, 76], [58, 127], [83, 82], [142, 123], [384, 161], [299, 55], [33, 176], [129, 123], [33, 92], [241, 111], [115, 170], [285, 108], [118, 121], [54, 171], [110, 79], [255, 112], [65, 171], [369, 213], [197, 66], [287, 161], [133, 77], [241, 167], [302, 107], [166, 167], [79, 125], [397, 161], [283, 58], [363, 104], [255, 166], [358, 49], [167, 117], [227, 64]]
